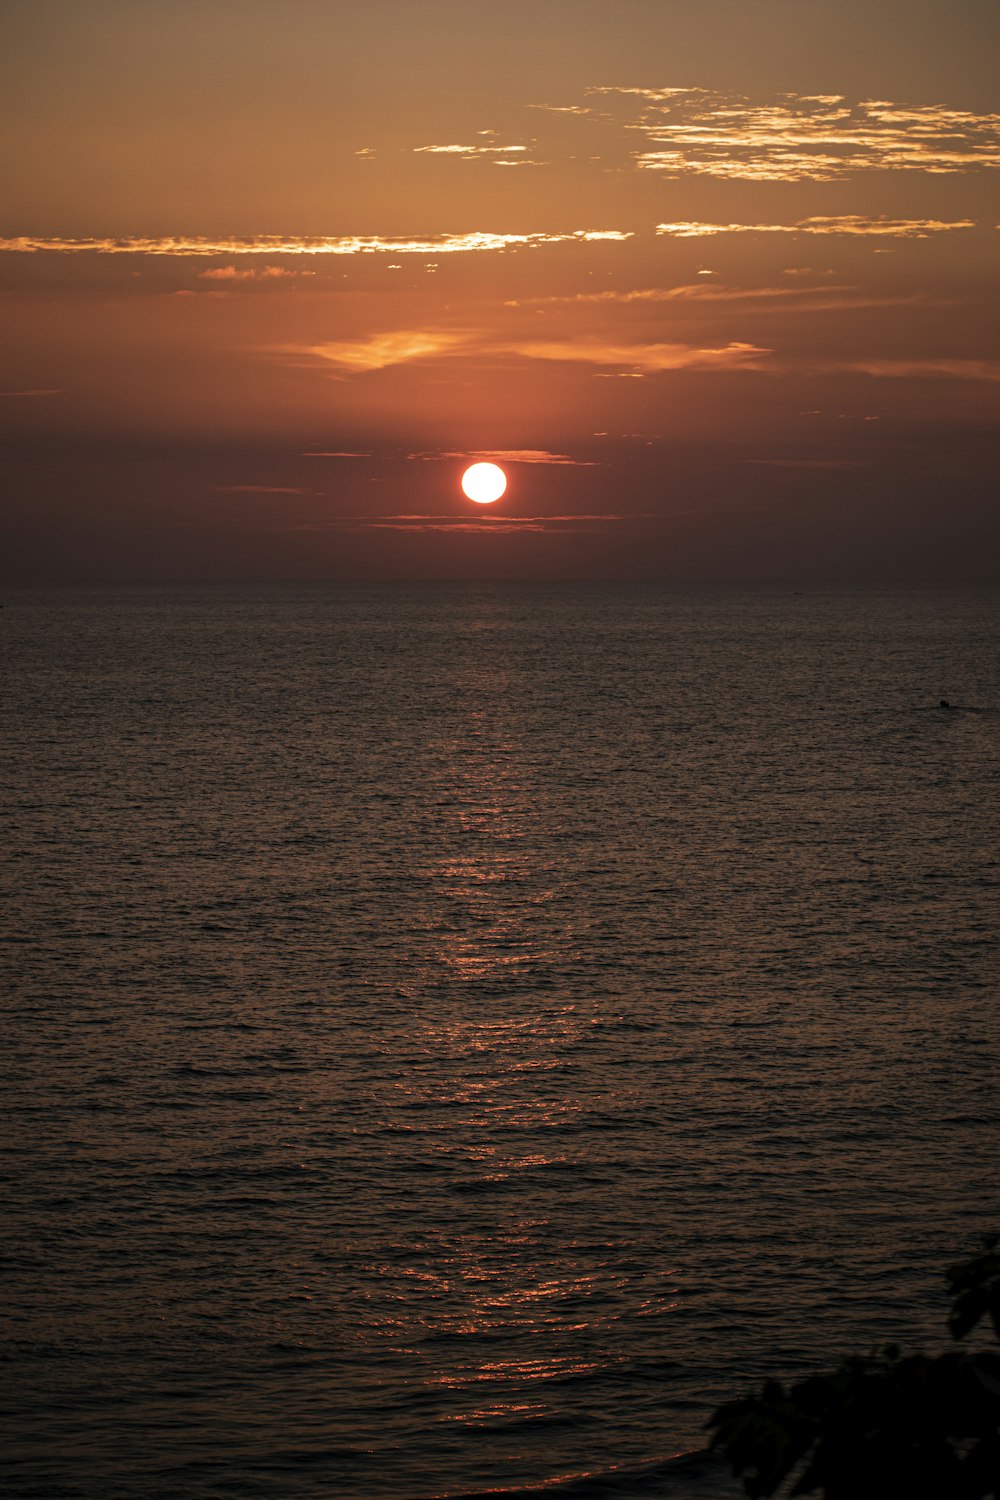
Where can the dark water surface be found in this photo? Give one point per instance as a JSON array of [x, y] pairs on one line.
[[455, 1037]]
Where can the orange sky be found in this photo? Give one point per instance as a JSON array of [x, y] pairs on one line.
[[715, 283]]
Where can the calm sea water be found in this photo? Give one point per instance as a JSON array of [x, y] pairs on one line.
[[455, 1037]]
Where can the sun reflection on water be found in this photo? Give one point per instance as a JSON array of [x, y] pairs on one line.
[[497, 1307]]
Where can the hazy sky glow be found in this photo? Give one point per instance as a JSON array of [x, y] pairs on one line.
[[716, 284]]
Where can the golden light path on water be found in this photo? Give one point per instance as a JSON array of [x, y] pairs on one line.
[[505, 1313]]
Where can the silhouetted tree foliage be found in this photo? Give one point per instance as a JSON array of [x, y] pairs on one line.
[[886, 1426]]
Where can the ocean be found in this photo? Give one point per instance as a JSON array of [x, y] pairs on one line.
[[457, 1036]]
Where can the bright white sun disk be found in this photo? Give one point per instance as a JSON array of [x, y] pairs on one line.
[[484, 483]]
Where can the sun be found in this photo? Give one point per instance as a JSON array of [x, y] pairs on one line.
[[484, 483]]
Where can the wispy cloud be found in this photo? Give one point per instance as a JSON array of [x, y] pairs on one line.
[[379, 350], [563, 109], [855, 224], [325, 453], [796, 137], [506, 456], [811, 463], [260, 489], [271, 244], [644, 358], [469, 150], [651, 95], [247, 273], [498, 156], [485, 524], [613, 358], [987, 370], [22, 395], [788, 137], [796, 298]]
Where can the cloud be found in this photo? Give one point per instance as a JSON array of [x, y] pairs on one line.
[[811, 463], [616, 359], [498, 156], [563, 109], [787, 137], [404, 346], [485, 524], [644, 358], [653, 95], [326, 454], [796, 137], [798, 298], [855, 224], [381, 349], [507, 456], [241, 273], [20, 395], [470, 150], [272, 244], [987, 370], [260, 489], [483, 527]]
